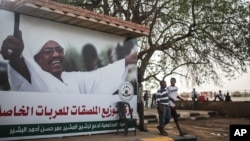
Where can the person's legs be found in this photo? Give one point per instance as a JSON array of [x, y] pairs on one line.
[[175, 117], [193, 102], [146, 104], [168, 115], [153, 103], [162, 119], [215, 98], [220, 98]]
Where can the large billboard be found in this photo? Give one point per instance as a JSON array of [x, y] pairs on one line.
[[61, 80]]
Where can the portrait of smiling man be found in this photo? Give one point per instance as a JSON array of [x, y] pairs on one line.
[[36, 58], [51, 58], [47, 75]]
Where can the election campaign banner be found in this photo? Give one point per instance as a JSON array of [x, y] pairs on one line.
[[62, 80]]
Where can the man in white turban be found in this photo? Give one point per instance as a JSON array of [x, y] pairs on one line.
[[44, 72]]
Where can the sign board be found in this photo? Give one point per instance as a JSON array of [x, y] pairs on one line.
[[82, 99]]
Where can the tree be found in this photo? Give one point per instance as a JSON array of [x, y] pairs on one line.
[[199, 40], [88, 4]]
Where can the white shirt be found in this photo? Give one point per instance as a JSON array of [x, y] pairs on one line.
[[105, 80], [194, 93], [221, 96], [173, 93]]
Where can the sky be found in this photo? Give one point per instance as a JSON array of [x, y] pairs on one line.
[[242, 83]]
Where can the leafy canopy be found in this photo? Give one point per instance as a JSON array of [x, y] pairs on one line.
[[199, 40]]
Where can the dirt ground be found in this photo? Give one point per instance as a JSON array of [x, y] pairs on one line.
[[209, 129]]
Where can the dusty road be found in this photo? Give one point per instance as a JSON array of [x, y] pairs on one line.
[[207, 129], [210, 129]]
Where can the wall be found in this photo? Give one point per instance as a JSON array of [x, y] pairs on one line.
[[230, 109]]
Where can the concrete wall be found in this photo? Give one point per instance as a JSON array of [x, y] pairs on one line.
[[231, 109]]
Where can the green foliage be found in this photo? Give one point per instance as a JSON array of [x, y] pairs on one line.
[[88, 4]]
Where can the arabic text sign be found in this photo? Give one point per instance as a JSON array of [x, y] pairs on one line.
[[32, 114]]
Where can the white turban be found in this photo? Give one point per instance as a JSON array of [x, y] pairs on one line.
[[35, 45], [36, 32]]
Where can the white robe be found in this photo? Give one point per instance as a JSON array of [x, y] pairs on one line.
[[105, 80]]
